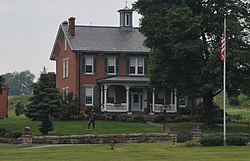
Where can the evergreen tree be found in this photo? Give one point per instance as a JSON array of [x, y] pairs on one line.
[[45, 103], [184, 36]]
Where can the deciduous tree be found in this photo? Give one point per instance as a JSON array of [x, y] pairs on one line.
[[184, 36]]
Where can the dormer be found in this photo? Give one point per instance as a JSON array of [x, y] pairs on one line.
[[126, 18]]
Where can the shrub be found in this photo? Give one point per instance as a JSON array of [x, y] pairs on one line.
[[123, 118], [160, 118], [148, 117], [9, 134], [191, 143], [237, 140], [183, 118], [137, 118], [212, 141]]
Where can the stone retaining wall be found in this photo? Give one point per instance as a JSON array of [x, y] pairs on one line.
[[102, 139]]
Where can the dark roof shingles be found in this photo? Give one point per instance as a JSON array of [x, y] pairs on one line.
[[106, 39]]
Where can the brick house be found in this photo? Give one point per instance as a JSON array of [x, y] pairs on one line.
[[4, 102], [106, 67]]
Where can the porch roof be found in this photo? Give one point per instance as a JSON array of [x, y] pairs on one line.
[[125, 80]]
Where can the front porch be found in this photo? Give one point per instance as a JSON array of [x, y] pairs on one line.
[[132, 94]]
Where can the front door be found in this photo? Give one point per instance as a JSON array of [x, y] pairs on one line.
[[136, 101]]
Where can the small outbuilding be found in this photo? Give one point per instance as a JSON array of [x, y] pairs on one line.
[[4, 102]]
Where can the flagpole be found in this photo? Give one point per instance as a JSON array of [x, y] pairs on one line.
[[224, 84]]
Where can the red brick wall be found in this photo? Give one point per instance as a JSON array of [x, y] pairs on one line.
[[4, 103], [71, 80]]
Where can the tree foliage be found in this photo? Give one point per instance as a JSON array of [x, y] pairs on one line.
[[19, 83], [184, 36], [45, 103]]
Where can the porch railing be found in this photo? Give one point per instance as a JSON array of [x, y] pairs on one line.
[[160, 108], [115, 108]]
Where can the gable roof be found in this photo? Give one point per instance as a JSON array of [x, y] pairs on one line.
[[102, 39]]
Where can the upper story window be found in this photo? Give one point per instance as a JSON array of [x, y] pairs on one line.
[[111, 66], [65, 68], [89, 65], [136, 66]]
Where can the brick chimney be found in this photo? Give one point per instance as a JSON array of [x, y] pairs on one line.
[[72, 26]]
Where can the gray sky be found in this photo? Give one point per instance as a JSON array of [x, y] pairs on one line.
[[28, 28]]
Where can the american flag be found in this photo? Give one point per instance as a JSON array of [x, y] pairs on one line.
[[222, 53]]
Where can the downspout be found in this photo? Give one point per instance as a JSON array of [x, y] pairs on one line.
[[79, 79]]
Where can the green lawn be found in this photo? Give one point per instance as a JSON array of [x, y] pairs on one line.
[[125, 152], [14, 123]]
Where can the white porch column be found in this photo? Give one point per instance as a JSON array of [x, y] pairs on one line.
[[105, 97], [175, 99], [172, 98], [127, 96], [102, 107], [153, 100]]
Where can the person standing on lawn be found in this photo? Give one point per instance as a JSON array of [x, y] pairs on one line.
[[92, 119]]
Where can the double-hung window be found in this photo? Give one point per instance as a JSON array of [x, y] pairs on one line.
[[65, 93], [111, 67], [65, 68], [136, 66], [89, 91], [89, 65], [111, 94]]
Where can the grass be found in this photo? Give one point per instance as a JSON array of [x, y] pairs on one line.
[[14, 123], [124, 152], [186, 127], [244, 111]]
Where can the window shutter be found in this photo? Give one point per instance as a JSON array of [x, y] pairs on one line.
[[105, 65], [83, 96], [94, 61], [83, 65], [127, 62], [94, 95], [145, 66], [117, 65]]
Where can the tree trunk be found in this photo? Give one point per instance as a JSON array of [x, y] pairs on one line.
[[208, 109]]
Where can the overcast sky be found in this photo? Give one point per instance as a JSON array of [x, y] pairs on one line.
[[28, 28]]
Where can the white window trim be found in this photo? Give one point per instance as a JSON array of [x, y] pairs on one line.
[[92, 103], [114, 65], [66, 68], [92, 63], [136, 66]]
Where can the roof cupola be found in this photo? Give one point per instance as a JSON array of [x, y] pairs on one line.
[[126, 18]]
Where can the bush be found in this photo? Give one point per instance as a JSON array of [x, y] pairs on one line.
[[184, 111], [123, 118], [183, 118], [212, 141], [137, 118], [191, 143], [9, 134], [160, 118], [237, 140]]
